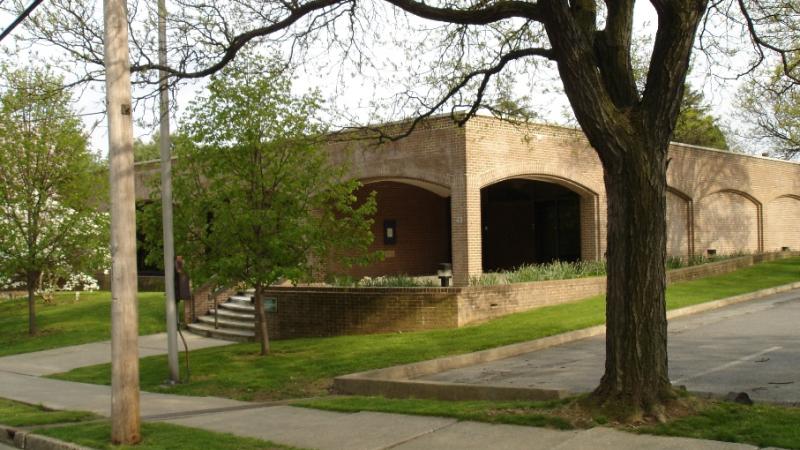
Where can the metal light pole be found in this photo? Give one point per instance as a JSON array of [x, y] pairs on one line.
[[125, 418], [166, 200]]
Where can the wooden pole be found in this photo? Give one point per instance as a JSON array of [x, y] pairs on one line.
[[125, 417], [166, 201]]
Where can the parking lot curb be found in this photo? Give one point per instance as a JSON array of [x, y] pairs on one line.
[[24, 439], [401, 381]]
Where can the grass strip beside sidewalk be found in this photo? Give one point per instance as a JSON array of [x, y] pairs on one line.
[[760, 425], [306, 367], [67, 426], [158, 436], [16, 414]]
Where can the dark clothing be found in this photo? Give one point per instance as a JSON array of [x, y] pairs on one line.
[[183, 289]]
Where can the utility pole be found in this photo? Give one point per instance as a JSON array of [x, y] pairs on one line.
[[166, 200], [125, 417]]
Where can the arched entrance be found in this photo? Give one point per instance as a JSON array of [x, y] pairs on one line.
[[529, 222], [411, 227]]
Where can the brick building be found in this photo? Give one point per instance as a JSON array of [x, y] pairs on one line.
[[492, 195]]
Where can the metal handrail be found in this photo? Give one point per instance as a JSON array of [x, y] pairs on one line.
[[216, 313]]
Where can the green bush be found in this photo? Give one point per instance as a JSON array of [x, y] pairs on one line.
[[382, 281], [396, 281], [563, 270], [557, 270]]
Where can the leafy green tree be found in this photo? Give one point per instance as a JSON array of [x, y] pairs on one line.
[[51, 185], [695, 125], [256, 199], [146, 150], [772, 103]]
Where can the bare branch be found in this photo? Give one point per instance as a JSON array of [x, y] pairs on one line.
[[495, 12]]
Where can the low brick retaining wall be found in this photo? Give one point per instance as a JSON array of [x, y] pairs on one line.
[[303, 312], [327, 311], [481, 303], [724, 266]]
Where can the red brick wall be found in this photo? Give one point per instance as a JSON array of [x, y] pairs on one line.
[[315, 311], [423, 240], [308, 312], [479, 304]]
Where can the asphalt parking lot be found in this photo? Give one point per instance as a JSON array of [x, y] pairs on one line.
[[752, 347]]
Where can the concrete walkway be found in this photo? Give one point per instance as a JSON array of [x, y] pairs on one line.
[[64, 359], [305, 428]]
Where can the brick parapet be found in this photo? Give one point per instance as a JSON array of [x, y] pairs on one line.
[[308, 311], [305, 312]]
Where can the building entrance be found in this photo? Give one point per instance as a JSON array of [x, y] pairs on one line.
[[529, 222]]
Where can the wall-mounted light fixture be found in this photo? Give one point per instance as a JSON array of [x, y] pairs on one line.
[[389, 231]]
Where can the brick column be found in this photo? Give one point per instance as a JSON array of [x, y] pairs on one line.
[[465, 223]]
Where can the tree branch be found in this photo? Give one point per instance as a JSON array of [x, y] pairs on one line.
[[484, 74], [476, 16], [241, 40]]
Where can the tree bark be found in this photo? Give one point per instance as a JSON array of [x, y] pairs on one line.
[[261, 321], [636, 372], [31, 281], [630, 132]]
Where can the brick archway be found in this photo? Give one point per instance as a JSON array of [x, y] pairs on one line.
[[782, 214], [411, 227], [729, 221], [538, 218]]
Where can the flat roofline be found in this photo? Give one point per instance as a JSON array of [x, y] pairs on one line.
[[727, 152], [679, 144], [535, 124]]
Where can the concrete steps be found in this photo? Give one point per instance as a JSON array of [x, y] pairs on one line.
[[233, 320], [227, 334], [226, 323]]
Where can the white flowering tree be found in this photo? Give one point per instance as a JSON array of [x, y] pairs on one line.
[[51, 186]]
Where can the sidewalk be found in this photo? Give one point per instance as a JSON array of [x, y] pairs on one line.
[[300, 427], [64, 359]]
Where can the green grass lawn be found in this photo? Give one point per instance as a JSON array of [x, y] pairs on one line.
[[761, 425], [97, 432], [18, 414], [534, 414], [306, 367], [69, 322], [158, 436]]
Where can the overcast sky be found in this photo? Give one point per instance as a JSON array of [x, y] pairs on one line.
[[356, 94]]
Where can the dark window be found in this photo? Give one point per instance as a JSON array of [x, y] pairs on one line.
[[390, 232]]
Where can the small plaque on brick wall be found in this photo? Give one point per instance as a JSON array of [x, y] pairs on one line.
[[270, 304]]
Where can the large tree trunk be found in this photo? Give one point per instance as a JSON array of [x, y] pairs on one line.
[[261, 321], [32, 278], [636, 371], [630, 130]]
